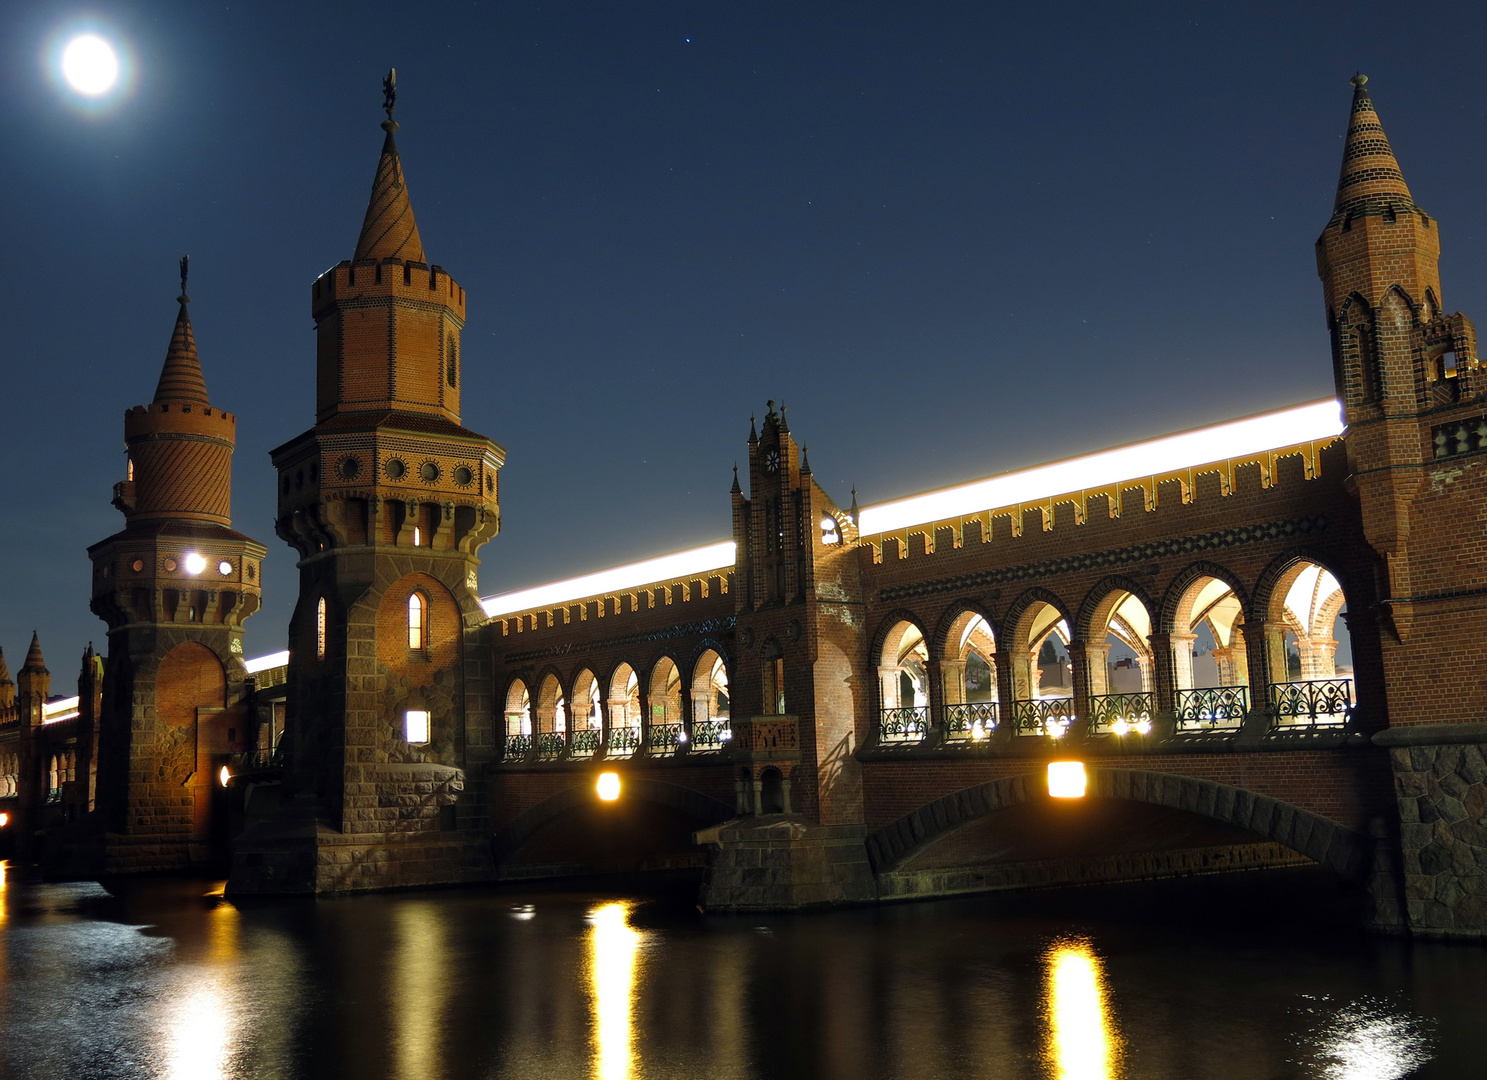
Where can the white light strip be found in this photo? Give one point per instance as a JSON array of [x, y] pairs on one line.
[[61, 709], [1203, 446], [263, 663], [684, 564]]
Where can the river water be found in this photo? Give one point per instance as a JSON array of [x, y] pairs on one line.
[[1250, 976]]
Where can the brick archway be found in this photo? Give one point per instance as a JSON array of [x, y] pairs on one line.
[[1347, 853]]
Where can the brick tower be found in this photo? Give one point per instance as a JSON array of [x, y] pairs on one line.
[[1415, 403], [386, 499], [174, 588]]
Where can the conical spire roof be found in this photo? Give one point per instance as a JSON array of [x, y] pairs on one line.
[[389, 231], [180, 379], [4, 671], [1370, 177], [34, 662]]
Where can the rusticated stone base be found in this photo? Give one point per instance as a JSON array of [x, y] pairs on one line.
[[1441, 791], [996, 877], [780, 862], [292, 852]]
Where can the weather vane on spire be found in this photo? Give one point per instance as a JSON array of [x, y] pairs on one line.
[[185, 266], [390, 91]]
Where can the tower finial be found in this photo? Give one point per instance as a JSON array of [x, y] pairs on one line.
[[736, 489], [390, 98], [1359, 80], [185, 268], [854, 511]]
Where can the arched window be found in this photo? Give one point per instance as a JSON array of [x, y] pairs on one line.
[[131, 468], [452, 366], [320, 629], [417, 623]]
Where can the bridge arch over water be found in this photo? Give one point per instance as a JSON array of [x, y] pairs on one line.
[[1343, 850]]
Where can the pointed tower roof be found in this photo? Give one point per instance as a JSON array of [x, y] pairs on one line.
[[389, 231], [4, 671], [34, 662], [1370, 177], [180, 378]]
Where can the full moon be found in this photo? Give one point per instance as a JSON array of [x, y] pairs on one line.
[[90, 65]]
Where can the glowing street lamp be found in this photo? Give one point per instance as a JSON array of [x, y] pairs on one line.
[[608, 787], [1066, 779]]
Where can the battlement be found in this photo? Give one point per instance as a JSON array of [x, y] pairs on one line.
[[177, 418], [349, 280], [617, 604]]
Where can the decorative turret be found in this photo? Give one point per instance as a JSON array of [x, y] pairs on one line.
[[7, 688], [180, 448], [33, 684]]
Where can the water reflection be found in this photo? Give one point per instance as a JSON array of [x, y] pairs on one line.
[[1083, 1043], [1369, 1041], [199, 1031], [419, 987], [613, 948]]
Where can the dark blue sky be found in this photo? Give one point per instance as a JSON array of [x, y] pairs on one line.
[[955, 238]]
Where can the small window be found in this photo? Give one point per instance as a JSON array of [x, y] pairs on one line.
[[416, 726], [320, 629], [417, 623], [131, 468], [452, 366], [417, 537]]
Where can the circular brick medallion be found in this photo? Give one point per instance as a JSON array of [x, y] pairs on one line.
[[395, 468]]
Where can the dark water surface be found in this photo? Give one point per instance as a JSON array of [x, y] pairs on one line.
[[1251, 976]]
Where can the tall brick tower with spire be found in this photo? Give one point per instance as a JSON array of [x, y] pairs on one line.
[[1415, 402], [386, 499], [174, 587]]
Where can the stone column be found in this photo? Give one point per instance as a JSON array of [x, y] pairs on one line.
[[1259, 639], [1006, 691], [1182, 659], [1079, 688]]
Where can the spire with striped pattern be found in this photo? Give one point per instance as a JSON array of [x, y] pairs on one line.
[[1370, 179], [389, 231], [180, 379]]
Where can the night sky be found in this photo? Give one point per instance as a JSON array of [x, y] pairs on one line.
[[955, 238]]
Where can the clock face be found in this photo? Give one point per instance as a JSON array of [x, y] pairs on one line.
[[772, 461]]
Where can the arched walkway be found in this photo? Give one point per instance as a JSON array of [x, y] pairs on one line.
[[1346, 852]]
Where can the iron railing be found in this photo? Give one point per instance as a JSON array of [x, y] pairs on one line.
[[665, 738], [970, 720], [1121, 713], [904, 725], [1042, 716], [710, 735], [623, 741], [1314, 703], [518, 746], [586, 742], [551, 745], [1210, 707]]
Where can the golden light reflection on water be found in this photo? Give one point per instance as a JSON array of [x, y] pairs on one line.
[[1082, 1040], [420, 989], [199, 1035], [613, 948]]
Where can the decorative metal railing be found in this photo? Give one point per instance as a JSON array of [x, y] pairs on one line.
[[665, 738], [1042, 716], [904, 725], [970, 720], [551, 745], [709, 735], [1314, 703], [1121, 714], [1210, 707], [623, 741], [518, 746], [586, 742]]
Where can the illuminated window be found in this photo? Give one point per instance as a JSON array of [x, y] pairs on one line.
[[131, 468], [416, 726], [320, 629], [417, 622], [417, 536]]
